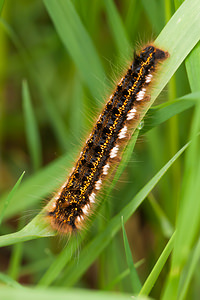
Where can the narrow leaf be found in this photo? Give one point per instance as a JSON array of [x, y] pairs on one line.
[[7, 200], [135, 281], [77, 42], [31, 127]]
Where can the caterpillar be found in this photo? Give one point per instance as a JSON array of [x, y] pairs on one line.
[[115, 125]]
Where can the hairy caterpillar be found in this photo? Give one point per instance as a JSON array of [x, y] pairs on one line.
[[113, 128]]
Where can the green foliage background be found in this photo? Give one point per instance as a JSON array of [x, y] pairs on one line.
[[59, 61]]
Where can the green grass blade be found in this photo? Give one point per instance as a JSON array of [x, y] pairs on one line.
[[163, 112], [190, 272], [9, 281], [154, 10], [192, 66], [94, 248], [135, 281], [37, 228], [15, 261], [165, 224], [153, 276], [78, 43], [8, 293], [117, 28], [32, 131], [180, 35], [134, 10], [188, 217], [188, 224], [6, 201]]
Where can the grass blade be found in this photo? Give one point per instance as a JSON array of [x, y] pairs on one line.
[[165, 224], [37, 228], [163, 112], [7, 200], [153, 276], [78, 43], [32, 131], [117, 28], [9, 281], [154, 10], [136, 284], [190, 271], [187, 227], [61, 294]]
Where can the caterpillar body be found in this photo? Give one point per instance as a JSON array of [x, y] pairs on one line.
[[74, 201]]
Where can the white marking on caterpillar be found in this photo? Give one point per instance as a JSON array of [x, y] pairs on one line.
[[122, 133], [141, 94], [114, 151], [105, 169], [131, 114], [86, 208], [149, 77], [92, 197], [98, 184]]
